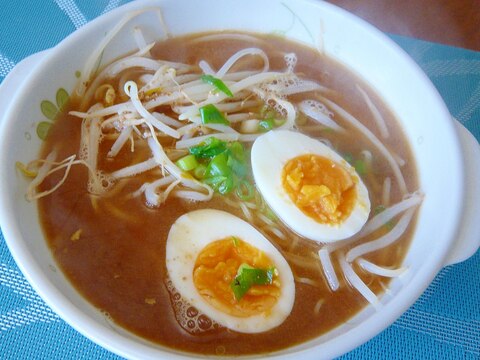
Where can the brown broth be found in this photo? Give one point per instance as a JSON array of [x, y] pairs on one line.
[[118, 261]]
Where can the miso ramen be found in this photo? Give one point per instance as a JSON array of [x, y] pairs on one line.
[[226, 193]]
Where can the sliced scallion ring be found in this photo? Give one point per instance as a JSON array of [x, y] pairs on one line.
[[217, 83]]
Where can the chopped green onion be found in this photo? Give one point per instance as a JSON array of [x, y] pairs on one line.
[[236, 241], [225, 186], [221, 184], [236, 159], [214, 181], [248, 276], [238, 167], [200, 171], [211, 115], [348, 158], [222, 165], [244, 190], [266, 125], [209, 148], [237, 150], [187, 163], [219, 166], [267, 112], [379, 209], [360, 167], [217, 83]]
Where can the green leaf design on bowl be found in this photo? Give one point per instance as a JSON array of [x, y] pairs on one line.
[[48, 109], [51, 111], [62, 98], [42, 129]]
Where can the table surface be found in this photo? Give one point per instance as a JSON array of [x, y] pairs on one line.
[[450, 22], [445, 321]]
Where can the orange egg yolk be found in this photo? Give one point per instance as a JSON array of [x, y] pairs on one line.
[[216, 267], [321, 188]]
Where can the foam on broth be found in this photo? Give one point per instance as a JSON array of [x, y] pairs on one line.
[[118, 260]]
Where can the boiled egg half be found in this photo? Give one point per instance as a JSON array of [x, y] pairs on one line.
[[229, 271], [309, 186]]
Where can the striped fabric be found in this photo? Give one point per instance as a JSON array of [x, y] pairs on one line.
[[443, 324]]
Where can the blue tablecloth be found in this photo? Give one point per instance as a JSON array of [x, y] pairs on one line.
[[443, 324]]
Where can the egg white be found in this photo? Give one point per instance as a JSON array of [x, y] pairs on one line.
[[191, 233], [270, 153]]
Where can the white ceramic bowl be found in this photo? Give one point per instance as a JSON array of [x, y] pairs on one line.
[[435, 139]]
